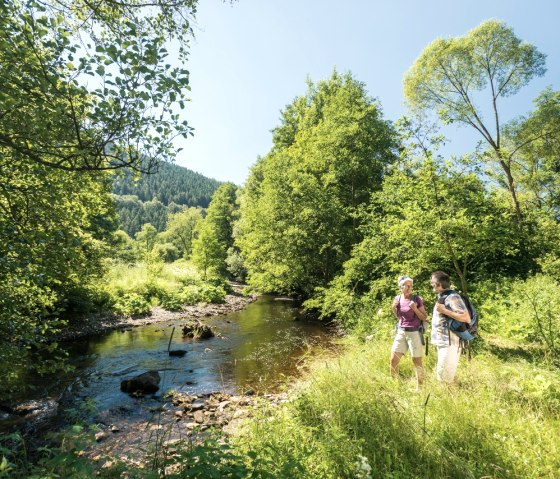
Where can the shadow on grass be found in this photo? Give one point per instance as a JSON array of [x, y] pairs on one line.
[[512, 351]]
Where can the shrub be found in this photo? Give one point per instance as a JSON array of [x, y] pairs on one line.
[[172, 301], [130, 304], [167, 252], [528, 311]]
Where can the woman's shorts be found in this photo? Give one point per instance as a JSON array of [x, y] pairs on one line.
[[405, 340]]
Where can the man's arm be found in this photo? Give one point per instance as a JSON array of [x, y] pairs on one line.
[[462, 316]]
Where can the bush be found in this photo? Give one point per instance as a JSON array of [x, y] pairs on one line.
[[167, 252], [172, 301], [528, 311], [202, 292], [131, 304]]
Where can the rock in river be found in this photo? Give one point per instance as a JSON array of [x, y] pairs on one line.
[[147, 382], [197, 330]]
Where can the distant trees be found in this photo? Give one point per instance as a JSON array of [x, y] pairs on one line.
[[214, 234], [298, 208], [169, 184], [180, 230], [153, 198]]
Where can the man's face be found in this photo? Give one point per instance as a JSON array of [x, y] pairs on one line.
[[435, 285]]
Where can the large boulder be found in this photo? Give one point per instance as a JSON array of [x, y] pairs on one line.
[[197, 330], [147, 382]]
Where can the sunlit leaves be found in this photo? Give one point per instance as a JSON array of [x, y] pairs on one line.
[[298, 209]]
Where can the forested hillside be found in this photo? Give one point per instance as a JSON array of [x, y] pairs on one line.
[[170, 184], [152, 198]]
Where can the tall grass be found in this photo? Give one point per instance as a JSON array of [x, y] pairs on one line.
[[352, 420], [131, 278], [135, 289]]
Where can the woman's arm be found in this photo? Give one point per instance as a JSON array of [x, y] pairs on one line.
[[419, 311]]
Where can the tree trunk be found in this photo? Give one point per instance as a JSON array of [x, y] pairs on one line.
[[511, 188]]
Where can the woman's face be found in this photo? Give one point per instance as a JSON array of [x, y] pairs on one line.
[[406, 287]]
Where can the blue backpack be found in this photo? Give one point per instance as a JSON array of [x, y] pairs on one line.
[[467, 332]]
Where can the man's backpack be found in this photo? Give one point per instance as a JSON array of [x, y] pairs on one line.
[[467, 332]]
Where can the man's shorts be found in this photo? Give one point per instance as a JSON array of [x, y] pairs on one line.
[[405, 340]]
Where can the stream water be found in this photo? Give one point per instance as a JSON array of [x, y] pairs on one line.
[[256, 348]]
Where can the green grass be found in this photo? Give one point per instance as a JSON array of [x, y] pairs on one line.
[[502, 420], [135, 289], [171, 277]]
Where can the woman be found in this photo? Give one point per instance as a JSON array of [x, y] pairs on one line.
[[410, 312]]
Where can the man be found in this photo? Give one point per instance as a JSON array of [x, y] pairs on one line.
[[448, 305]]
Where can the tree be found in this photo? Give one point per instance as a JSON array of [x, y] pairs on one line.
[[298, 208], [146, 238], [222, 213], [208, 253], [86, 85], [215, 232], [181, 228], [449, 72], [537, 164], [53, 232], [428, 216]]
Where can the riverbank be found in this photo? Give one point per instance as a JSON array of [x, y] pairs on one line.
[[98, 324]]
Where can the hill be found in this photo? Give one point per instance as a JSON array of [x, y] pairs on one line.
[[149, 198]]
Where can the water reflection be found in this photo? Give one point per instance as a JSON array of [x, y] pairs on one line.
[[254, 348]]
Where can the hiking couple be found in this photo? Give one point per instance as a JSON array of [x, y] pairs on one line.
[[411, 314]]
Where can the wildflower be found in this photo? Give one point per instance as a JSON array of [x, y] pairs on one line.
[[363, 469]]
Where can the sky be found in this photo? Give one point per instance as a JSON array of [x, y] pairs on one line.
[[251, 58]]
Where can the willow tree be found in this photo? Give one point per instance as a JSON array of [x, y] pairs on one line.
[[298, 208], [450, 73]]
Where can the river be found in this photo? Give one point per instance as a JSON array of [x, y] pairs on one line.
[[256, 349]]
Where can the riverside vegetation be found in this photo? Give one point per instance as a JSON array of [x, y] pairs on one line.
[[344, 202]]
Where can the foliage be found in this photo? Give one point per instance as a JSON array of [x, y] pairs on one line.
[[427, 217], [167, 252], [449, 72], [159, 197], [331, 433], [87, 86], [215, 232], [528, 311], [298, 208], [537, 166], [236, 265], [131, 304], [53, 228], [122, 247], [146, 238], [181, 229], [170, 184], [134, 290]]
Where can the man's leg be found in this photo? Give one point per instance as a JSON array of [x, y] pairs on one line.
[[448, 360]]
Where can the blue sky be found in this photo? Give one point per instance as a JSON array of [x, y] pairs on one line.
[[250, 59]]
